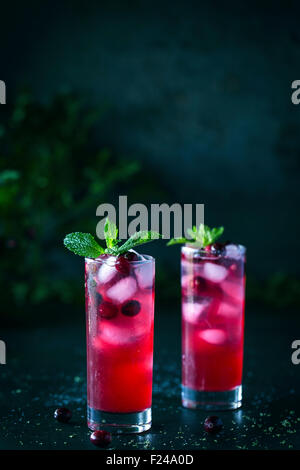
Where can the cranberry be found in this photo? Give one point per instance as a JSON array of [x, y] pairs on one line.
[[63, 415], [207, 248], [131, 308], [131, 256], [217, 248], [122, 265], [107, 310], [100, 438], [198, 283], [213, 424], [98, 298]]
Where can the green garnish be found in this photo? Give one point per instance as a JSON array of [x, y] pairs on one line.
[[201, 237], [84, 244], [110, 233], [139, 238]]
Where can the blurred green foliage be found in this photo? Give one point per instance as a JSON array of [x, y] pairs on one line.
[[278, 291], [53, 175]]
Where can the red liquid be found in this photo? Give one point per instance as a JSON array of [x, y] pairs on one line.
[[212, 319], [120, 348]]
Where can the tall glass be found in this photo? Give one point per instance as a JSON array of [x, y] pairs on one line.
[[120, 320], [213, 300]]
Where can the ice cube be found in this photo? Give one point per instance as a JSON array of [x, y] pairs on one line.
[[124, 330], [214, 272], [213, 336], [233, 251], [123, 290], [234, 290], [113, 335], [186, 281], [107, 271], [228, 311], [145, 276], [192, 311], [110, 335]]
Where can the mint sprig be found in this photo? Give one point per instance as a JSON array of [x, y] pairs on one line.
[[110, 233], [84, 244], [200, 237], [139, 238]]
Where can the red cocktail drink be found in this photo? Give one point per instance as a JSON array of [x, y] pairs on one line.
[[120, 316], [213, 292]]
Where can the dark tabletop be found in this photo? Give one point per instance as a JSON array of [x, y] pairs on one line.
[[46, 369]]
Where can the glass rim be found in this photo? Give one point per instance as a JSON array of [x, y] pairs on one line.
[[148, 259], [204, 254]]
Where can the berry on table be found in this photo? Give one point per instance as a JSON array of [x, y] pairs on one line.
[[63, 415], [213, 424], [100, 438]]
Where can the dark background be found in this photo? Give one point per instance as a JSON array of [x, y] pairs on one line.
[[170, 101], [165, 102]]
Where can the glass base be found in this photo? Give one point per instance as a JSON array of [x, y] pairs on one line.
[[119, 423], [228, 400]]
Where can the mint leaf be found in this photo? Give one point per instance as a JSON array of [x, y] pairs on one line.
[[192, 232], [83, 244], [201, 237], [175, 241], [110, 233], [207, 236], [139, 238], [216, 233]]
